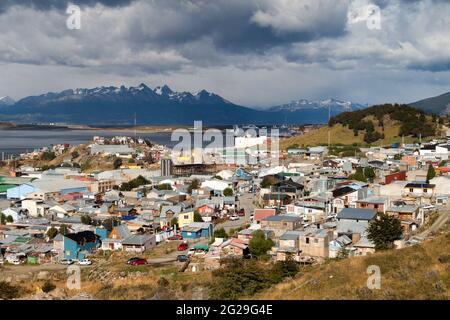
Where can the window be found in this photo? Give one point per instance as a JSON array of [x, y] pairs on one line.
[[376, 206], [316, 240], [425, 190], [307, 240], [411, 190], [186, 216]]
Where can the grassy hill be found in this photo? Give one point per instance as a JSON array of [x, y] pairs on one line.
[[380, 125], [418, 272]]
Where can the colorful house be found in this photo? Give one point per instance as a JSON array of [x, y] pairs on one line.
[[76, 246], [197, 230], [185, 218]]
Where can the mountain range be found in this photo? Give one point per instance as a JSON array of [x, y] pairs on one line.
[[110, 105], [439, 105], [118, 105]]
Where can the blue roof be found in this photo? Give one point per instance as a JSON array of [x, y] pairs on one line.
[[357, 214]]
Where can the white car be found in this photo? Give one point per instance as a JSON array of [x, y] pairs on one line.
[[16, 262], [85, 262], [234, 218], [66, 262]]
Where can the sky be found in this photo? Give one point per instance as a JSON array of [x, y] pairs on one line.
[[256, 53]]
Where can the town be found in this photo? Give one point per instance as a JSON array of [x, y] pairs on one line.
[[148, 211]]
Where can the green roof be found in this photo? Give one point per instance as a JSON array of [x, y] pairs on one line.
[[6, 187], [201, 248]]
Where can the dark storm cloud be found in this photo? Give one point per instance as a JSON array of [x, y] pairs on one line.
[[59, 4]]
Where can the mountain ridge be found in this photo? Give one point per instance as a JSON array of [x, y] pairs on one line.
[[160, 105]]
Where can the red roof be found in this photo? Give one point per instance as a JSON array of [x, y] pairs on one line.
[[263, 213]]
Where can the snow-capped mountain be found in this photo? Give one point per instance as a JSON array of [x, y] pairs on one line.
[[6, 101], [161, 105], [336, 106]]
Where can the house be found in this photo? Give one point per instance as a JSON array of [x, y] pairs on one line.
[[404, 212], [346, 197], [139, 243], [315, 243], [419, 190], [338, 245], [124, 211], [276, 199], [289, 187], [15, 213], [364, 247], [235, 248], [281, 223], [377, 203], [197, 230], [206, 209], [397, 176], [116, 237], [185, 218], [76, 246], [259, 214], [354, 222]]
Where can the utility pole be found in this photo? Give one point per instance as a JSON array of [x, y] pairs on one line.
[[135, 125]]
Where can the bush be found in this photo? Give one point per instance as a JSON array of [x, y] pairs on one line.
[[48, 286], [259, 245], [8, 291]]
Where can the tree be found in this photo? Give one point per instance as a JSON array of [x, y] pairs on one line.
[[195, 184], [220, 233], [197, 217], [52, 232], [268, 181], [259, 244], [48, 156], [384, 231], [85, 219], [110, 223], [358, 175], [117, 163], [228, 192], [369, 173], [75, 155], [431, 173], [9, 219], [2, 218], [164, 186], [63, 229], [174, 222]]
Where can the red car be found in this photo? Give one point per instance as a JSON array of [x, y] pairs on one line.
[[176, 237], [138, 262], [241, 213], [182, 246]]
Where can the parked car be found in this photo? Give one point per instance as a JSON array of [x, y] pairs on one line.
[[182, 246], [182, 258], [176, 237], [16, 262], [66, 262], [85, 262], [234, 217], [191, 252], [241, 213], [139, 262], [132, 259]]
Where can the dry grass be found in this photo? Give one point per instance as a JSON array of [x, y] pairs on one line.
[[419, 272], [342, 135]]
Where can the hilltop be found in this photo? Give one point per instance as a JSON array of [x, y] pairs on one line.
[[381, 124], [417, 272]]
